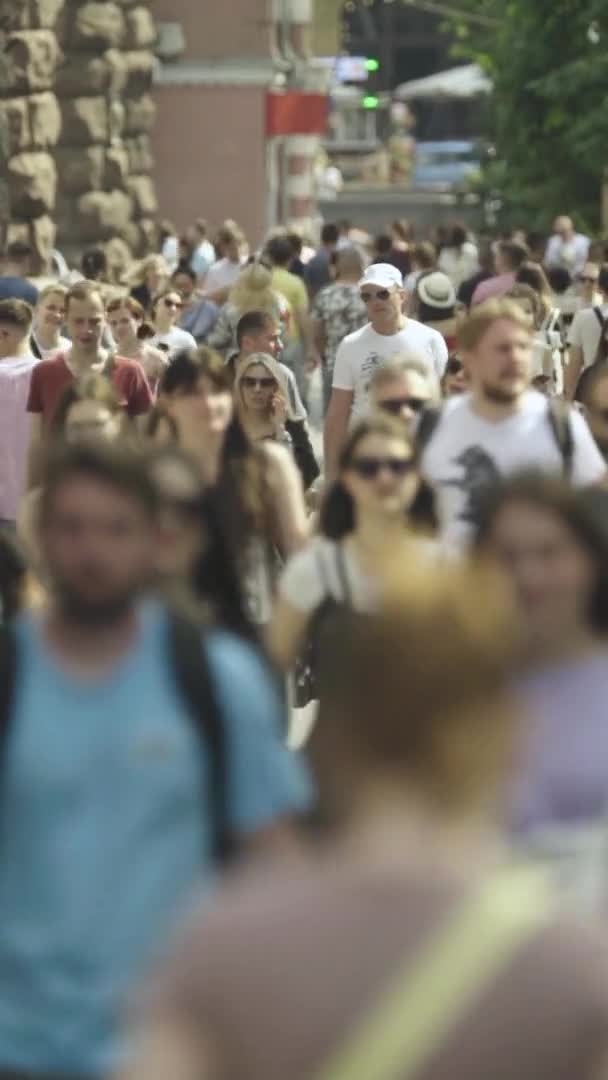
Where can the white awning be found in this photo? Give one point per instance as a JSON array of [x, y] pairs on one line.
[[460, 82]]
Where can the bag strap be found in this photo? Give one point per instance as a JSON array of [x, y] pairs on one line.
[[559, 419], [433, 994], [342, 572], [599, 316], [190, 665], [426, 427]]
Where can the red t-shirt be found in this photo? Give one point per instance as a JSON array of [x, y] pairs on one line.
[[50, 378]]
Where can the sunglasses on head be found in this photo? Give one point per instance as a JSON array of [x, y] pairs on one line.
[[395, 405], [369, 467], [380, 294], [265, 383]]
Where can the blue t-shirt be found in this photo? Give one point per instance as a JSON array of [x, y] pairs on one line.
[[106, 834]]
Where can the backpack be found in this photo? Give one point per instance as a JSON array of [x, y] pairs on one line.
[[189, 662], [558, 417]]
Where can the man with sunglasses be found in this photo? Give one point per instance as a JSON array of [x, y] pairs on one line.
[[387, 334], [404, 388]]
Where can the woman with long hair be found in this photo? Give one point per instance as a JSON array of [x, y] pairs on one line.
[[365, 514], [165, 311], [419, 950], [459, 257], [126, 321], [551, 541], [149, 279], [252, 291], [258, 486], [194, 563], [264, 407]]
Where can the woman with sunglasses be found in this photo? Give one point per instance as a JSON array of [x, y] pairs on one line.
[[257, 485], [364, 516], [403, 388], [264, 407], [168, 336]]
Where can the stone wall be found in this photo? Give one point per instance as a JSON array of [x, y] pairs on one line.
[[77, 104]]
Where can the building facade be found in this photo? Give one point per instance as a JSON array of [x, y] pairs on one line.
[[239, 113]]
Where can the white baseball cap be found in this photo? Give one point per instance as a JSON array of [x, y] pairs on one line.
[[383, 275]]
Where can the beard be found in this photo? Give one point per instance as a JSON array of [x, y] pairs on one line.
[[94, 612], [501, 395]]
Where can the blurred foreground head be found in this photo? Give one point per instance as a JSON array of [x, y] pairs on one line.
[[415, 699]]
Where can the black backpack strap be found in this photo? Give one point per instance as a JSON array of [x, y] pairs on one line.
[[558, 412], [193, 677], [427, 425], [8, 675], [599, 316]]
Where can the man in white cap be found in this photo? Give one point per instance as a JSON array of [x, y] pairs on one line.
[[388, 333]]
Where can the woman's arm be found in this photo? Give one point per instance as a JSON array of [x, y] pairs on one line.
[[286, 633], [288, 510]]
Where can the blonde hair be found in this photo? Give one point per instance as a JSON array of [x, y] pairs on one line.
[[274, 369], [419, 692], [253, 290], [400, 365], [55, 287], [476, 325], [141, 271]]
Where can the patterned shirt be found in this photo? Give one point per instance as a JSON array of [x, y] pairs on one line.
[[341, 311]]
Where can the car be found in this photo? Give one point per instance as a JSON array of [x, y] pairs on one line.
[[446, 165]]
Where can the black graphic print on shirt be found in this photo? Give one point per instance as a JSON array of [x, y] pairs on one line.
[[479, 474]]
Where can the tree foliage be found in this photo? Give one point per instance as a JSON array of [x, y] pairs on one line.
[[548, 115]]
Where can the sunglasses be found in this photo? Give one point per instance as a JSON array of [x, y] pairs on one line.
[[369, 468], [172, 303], [454, 366], [380, 294], [395, 405], [254, 384]]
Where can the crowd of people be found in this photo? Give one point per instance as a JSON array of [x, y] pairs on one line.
[[196, 883]]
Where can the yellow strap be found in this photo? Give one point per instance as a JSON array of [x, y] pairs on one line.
[[434, 991]]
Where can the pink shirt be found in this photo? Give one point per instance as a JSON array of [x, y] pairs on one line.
[[493, 287], [15, 374]]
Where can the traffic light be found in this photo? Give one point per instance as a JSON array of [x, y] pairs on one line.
[[371, 64], [370, 101]]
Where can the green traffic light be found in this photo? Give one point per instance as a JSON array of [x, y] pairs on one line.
[[371, 64], [370, 102]]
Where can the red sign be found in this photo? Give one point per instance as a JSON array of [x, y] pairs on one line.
[[295, 113]]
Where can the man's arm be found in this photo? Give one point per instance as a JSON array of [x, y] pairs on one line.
[[34, 452], [336, 428]]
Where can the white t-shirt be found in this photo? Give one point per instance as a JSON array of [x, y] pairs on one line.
[[362, 353], [459, 264], [313, 574], [173, 341], [571, 254], [467, 455], [586, 332], [221, 275], [62, 347]]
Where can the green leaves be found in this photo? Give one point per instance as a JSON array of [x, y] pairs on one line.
[[549, 113]]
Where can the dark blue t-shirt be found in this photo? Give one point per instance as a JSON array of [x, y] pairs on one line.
[[16, 288]]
